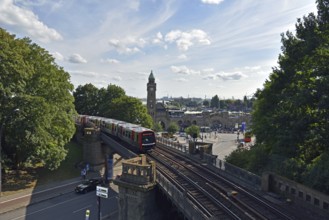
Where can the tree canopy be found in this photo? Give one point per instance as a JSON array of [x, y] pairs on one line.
[[172, 128], [290, 117], [214, 102], [193, 131], [37, 109], [111, 102]]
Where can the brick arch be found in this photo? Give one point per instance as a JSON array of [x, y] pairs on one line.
[[216, 123]]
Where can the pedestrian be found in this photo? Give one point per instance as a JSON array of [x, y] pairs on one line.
[[83, 173], [87, 167]]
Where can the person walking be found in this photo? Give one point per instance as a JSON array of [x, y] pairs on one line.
[[83, 173]]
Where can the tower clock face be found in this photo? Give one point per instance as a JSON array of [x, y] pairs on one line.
[[151, 89]]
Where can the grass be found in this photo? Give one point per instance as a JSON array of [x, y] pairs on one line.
[[31, 177]]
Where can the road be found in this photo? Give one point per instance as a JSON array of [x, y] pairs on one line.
[[69, 206], [223, 143]]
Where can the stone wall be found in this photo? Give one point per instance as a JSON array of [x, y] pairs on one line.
[[294, 191]]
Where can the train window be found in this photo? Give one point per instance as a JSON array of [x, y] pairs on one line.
[[316, 202], [293, 191], [308, 198], [325, 206], [148, 138], [300, 194]]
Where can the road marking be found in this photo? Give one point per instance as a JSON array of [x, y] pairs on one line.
[[45, 208], [35, 193], [82, 209]]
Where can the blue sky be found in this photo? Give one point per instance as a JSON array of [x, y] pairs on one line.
[[195, 48]]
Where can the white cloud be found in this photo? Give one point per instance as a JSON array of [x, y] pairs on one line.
[[182, 57], [207, 71], [76, 58], [252, 67], [26, 21], [128, 45], [116, 78], [183, 70], [83, 73], [184, 40], [158, 39], [209, 77], [230, 76], [58, 56], [216, 2], [181, 80], [111, 61]]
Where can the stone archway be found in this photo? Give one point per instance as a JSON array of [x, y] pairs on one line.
[[187, 123], [216, 124], [181, 125]]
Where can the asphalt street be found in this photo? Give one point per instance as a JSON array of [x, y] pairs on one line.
[[70, 206], [59, 201]]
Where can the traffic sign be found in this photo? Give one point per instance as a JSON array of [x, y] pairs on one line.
[[103, 195], [102, 191]]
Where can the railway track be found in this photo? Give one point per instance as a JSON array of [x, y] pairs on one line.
[[215, 196]]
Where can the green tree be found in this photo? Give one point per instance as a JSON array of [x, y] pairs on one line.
[[206, 103], [193, 131], [87, 99], [214, 102], [290, 118], [36, 103], [106, 98], [131, 110], [223, 104], [172, 128], [157, 127]]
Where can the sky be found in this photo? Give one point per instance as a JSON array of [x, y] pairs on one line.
[[195, 48]]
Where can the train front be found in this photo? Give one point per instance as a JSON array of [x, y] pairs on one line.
[[148, 140]]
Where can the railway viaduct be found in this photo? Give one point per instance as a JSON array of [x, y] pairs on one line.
[[139, 181]]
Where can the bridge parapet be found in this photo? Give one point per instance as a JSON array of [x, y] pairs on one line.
[[138, 171], [295, 192], [137, 183]]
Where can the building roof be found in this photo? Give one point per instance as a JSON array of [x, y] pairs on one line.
[[151, 77]]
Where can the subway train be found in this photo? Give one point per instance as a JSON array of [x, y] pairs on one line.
[[140, 138]]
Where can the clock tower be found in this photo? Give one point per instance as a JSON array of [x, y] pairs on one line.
[[151, 96]]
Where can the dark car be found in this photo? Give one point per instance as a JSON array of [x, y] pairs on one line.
[[88, 185]]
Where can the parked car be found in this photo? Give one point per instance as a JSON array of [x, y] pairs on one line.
[[88, 185]]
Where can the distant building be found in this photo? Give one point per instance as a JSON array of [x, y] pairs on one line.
[[151, 96], [218, 120]]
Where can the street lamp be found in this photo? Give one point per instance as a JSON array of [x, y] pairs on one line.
[[2, 125]]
